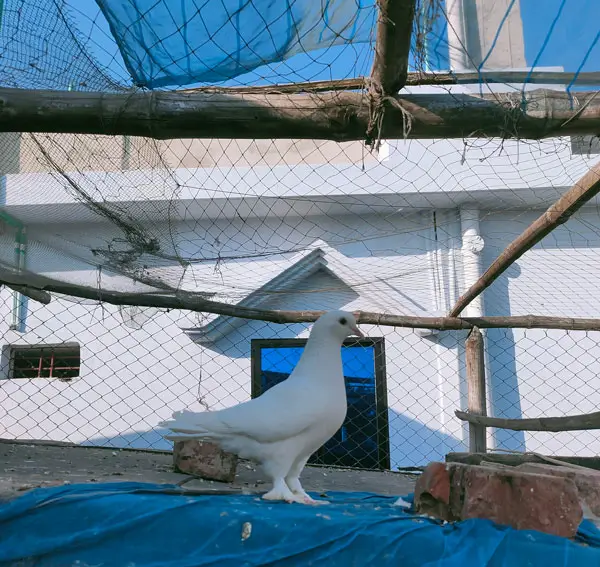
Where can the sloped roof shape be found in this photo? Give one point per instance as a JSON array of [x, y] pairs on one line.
[[318, 256]]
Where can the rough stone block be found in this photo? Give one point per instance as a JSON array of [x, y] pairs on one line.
[[205, 460]]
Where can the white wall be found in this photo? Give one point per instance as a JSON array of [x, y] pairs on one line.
[[131, 379], [421, 405], [536, 373]]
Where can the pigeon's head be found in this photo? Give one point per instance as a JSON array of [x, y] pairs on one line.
[[340, 324]]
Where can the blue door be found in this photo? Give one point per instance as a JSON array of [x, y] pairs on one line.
[[362, 441]]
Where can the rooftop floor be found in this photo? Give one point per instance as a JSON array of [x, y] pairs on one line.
[[33, 464]]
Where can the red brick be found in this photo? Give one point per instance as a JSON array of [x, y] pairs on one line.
[[587, 481], [205, 460], [432, 491], [514, 498]]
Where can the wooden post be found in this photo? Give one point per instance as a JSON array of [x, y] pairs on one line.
[[475, 363], [392, 45]]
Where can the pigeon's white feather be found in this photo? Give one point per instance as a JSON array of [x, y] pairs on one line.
[[256, 419], [281, 428]]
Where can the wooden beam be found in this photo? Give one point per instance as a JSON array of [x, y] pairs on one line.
[[354, 84], [340, 116], [37, 295], [516, 459], [475, 371], [392, 46], [558, 213], [198, 302], [569, 423], [414, 79], [590, 78]]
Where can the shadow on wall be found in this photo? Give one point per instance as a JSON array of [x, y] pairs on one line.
[[152, 439], [412, 443], [503, 381]]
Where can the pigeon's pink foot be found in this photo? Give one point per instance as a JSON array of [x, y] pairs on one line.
[[280, 492], [300, 494], [306, 499]]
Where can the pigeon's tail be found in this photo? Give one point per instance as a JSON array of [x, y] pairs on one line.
[[190, 425], [187, 436]]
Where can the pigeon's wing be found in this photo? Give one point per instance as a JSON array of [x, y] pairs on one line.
[[283, 411]]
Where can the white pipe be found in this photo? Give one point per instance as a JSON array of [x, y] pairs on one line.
[[20, 260], [472, 246]]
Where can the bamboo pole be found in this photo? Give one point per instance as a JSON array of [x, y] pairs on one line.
[[475, 370], [569, 423], [558, 213], [340, 116]]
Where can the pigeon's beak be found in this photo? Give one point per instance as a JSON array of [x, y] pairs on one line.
[[357, 331]]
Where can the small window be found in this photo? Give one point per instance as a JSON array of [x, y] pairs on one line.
[[45, 361]]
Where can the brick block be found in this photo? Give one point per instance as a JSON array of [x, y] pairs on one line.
[[587, 481], [432, 491], [522, 500], [205, 460]]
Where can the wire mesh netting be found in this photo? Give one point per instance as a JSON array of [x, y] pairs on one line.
[[289, 224], [105, 380]]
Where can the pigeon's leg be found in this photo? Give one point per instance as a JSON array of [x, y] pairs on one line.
[[276, 469], [280, 491], [292, 479]]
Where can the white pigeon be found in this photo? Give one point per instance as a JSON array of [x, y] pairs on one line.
[[283, 427]]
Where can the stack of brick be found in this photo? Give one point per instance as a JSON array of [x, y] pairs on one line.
[[541, 497]]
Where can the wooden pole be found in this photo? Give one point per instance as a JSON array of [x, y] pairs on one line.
[[569, 423], [558, 213], [390, 66], [392, 46], [475, 365], [415, 79], [340, 116], [35, 294], [516, 459], [196, 301]]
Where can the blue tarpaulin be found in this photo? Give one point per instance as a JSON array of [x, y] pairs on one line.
[[143, 525], [172, 42]]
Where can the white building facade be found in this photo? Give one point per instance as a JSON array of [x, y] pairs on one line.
[[402, 235]]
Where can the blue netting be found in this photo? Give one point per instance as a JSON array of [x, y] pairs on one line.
[[151, 525], [170, 42]]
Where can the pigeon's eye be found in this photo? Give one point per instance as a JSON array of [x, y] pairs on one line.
[[343, 321]]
